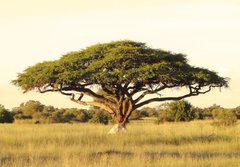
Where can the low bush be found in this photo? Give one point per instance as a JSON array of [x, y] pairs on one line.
[[224, 117], [99, 118], [136, 115], [5, 115]]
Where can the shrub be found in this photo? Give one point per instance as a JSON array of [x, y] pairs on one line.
[[20, 115], [99, 116], [164, 116], [198, 113], [148, 112], [176, 111], [208, 112], [76, 115], [82, 116], [143, 113], [237, 112], [69, 115], [5, 115], [136, 115], [57, 117], [224, 117]]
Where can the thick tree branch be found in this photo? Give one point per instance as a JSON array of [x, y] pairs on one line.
[[192, 92], [103, 103], [153, 91], [96, 104], [124, 106], [82, 90], [129, 111], [149, 92]]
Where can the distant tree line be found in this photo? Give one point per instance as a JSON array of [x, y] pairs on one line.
[[176, 111], [35, 112], [182, 110]]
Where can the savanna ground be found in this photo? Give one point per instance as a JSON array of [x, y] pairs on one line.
[[196, 143]]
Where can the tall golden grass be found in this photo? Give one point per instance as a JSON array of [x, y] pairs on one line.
[[189, 144]]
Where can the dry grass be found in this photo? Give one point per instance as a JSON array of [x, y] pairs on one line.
[[174, 144]]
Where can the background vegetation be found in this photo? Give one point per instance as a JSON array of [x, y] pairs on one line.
[[176, 111], [172, 134]]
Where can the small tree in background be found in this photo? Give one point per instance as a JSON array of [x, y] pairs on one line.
[[5, 115], [30, 108], [177, 111]]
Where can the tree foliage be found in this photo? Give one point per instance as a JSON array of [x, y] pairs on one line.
[[126, 71]]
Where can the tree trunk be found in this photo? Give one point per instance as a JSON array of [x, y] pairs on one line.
[[119, 126], [121, 116], [117, 129]]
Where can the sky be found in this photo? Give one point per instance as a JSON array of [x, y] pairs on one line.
[[207, 31]]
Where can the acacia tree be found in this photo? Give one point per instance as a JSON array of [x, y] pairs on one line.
[[125, 72]]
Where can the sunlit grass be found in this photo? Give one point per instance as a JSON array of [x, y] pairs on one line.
[[172, 144]]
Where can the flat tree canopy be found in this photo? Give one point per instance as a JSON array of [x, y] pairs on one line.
[[118, 76]]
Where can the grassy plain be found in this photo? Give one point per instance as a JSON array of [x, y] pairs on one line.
[[189, 144]]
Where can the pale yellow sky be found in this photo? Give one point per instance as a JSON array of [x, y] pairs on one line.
[[208, 31]]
